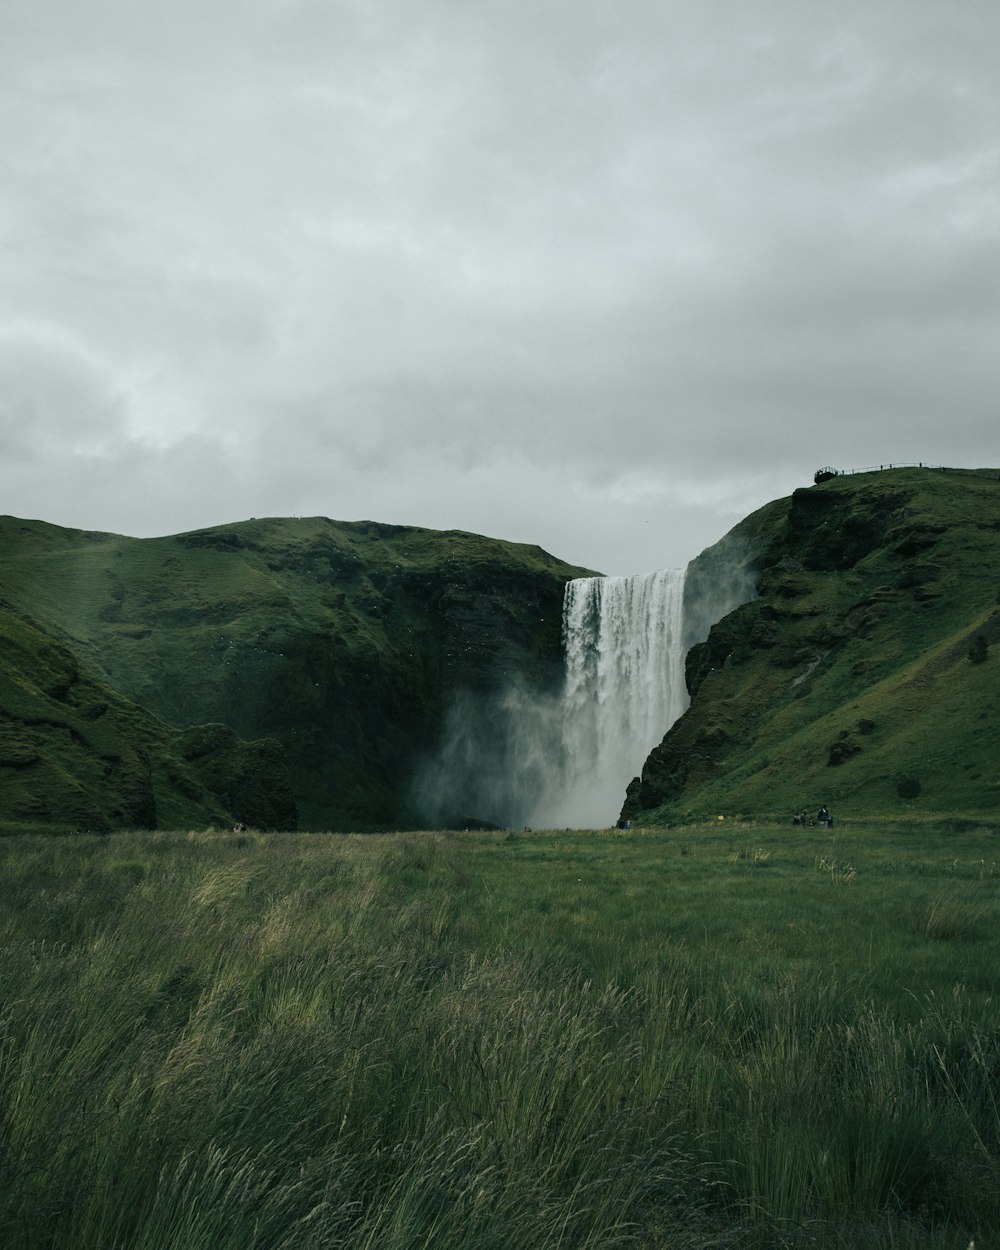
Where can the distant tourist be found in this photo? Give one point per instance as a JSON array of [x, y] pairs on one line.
[[823, 816]]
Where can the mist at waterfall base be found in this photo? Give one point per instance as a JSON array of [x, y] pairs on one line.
[[563, 759]]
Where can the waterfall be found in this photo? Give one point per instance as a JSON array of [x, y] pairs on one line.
[[623, 641], [563, 760]]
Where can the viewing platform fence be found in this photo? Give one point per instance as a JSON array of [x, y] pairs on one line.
[[827, 472]]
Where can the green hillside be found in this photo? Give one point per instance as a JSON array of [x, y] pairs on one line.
[[74, 754], [342, 642], [284, 670], [863, 675]]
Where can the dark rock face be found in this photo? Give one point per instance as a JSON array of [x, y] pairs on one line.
[[835, 528]]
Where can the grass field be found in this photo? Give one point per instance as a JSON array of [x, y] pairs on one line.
[[725, 1036]]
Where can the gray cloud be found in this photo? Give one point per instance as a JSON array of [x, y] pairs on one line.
[[602, 277]]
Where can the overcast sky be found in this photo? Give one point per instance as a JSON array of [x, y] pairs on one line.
[[604, 276]]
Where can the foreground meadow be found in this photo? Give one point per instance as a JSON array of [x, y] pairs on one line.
[[715, 1037]]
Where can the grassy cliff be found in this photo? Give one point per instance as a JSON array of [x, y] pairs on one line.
[[863, 675], [307, 662]]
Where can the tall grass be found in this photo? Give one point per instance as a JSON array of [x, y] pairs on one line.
[[382, 1043]]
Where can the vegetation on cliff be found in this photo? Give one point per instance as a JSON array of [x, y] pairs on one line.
[[261, 671], [862, 675]]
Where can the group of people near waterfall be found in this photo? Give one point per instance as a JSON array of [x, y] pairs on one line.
[[823, 817]]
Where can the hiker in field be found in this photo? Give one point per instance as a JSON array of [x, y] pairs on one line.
[[823, 816]]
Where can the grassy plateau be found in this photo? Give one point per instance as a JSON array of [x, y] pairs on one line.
[[727, 1035]]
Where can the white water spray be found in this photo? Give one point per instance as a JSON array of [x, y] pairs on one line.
[[564, 760], [623, 640]]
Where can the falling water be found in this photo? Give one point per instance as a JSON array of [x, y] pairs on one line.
[[564, 759], [623, 639]]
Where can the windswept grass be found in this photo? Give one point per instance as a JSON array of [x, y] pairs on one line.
[[705, 1039], [956, 914]]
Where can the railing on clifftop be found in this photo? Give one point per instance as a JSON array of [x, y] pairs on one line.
[[824, 475]]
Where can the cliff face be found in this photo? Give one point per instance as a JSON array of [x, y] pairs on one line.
[[307, 662], [862, 673]]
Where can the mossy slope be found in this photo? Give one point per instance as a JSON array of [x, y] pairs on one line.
[[863, 675], [342, 641], [74, 754]]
